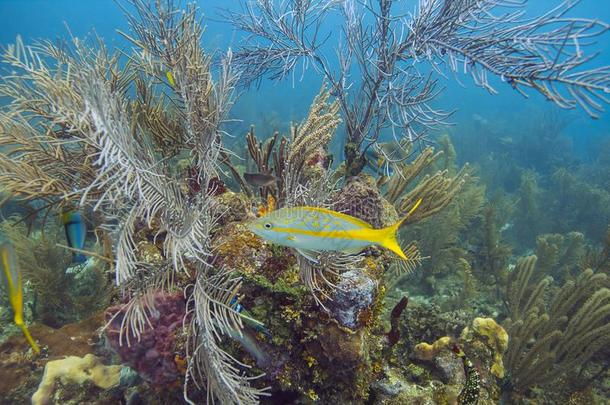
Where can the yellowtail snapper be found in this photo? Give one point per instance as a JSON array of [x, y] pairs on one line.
[[76, 232], [311, 230], [13, 283]]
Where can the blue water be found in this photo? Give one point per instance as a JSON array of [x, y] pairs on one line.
[[282, 102]]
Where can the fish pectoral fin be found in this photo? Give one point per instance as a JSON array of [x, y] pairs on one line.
[[353, 251], [311, 255], [291, 238]]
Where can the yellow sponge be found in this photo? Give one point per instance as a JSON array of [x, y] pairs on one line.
[[76, 370]]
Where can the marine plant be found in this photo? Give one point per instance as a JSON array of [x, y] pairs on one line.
[[57, 296], [529, 220], [78, 136], [493, 254], [430, 176], [380, 45], [598, 258], [558, 338], [560, 255], [455, 201], [293, 160]]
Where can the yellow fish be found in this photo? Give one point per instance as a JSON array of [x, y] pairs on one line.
[[12, 278], [310, 230], [170, 78]]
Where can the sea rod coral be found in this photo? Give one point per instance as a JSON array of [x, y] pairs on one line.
[[376, 76], [558, 339], [78, 136]]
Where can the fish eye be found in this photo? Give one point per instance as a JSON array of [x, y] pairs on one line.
[[268, 225]]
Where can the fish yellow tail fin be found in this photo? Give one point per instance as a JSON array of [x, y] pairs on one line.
[[12, 278], [29, 338], [389, 240]]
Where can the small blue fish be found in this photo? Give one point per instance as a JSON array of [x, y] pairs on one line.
[[256, 325], [76, 232], [252, 346]]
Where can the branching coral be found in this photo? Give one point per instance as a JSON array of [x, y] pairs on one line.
[[303, 177], [459, 197], [555, 340], [375, 76], [599, 258], [77, 137], [60, 296], [298, 162], [436, 190], [560, 255]]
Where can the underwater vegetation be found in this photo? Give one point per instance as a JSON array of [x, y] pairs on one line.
[[57, 292], [555, 340], [187, 269]]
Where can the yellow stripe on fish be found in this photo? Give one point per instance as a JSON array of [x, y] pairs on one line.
[[313, 229]]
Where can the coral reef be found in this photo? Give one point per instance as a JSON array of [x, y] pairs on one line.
[[206, 311], [375, 77], [495, 338], [303, 342], [75, 370], [441, 372], [21, 372], [152, 353], [556, 340], [57, 293]]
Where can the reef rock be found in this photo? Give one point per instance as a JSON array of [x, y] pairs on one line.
[[361, 198], [354, 294], [494, 337], [238, 248], [153, 355], [76, 370], [342, 345], [447, 366], [233, 207]]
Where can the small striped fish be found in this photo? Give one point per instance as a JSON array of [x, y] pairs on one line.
[[311, 230], [76, 233]]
